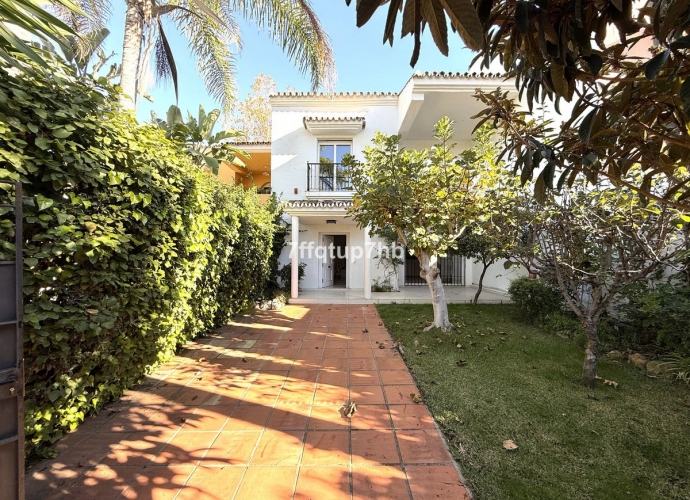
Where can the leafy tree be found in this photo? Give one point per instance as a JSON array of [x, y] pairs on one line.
[[211, 30], [427, 196], [594, 243], [491, 234], [625, 70], [482, 248], [196, 134], [253, 115]]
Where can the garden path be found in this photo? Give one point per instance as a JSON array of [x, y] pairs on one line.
[[256, 411]]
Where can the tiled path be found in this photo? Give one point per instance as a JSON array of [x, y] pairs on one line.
[[255, 412]]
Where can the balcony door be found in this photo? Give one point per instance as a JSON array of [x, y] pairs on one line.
[[332, 175]]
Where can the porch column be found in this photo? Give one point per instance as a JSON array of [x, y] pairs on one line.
[[367, 264], [294, 278]]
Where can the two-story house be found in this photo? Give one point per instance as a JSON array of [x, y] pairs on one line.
[[310, 135]]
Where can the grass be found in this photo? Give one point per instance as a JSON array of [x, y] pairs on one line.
[[629, 442]]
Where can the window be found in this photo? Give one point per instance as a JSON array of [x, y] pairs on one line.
[[333, 151], [332, 175]]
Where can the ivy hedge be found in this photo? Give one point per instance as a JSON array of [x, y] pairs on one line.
[[130, 250]]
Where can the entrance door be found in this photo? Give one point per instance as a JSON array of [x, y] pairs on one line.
[[327, 267], [11, 357]]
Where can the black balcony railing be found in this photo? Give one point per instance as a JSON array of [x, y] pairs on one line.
[[328, 177]]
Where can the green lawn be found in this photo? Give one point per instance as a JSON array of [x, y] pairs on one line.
[[519, 383]]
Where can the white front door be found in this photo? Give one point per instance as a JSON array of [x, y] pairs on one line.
[[327, 265]]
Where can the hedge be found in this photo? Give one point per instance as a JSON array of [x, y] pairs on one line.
[[130, 250]]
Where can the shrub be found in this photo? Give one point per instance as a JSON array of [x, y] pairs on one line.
[[285, 274], [535, 299], [658, 316], [130, 250]]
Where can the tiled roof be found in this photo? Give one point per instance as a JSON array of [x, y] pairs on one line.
[[333, 119], [335, 94], [450, 74], [318, 203]]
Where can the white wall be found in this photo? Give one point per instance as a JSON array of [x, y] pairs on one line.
[[497, 277], [355, 265], [293, 146]]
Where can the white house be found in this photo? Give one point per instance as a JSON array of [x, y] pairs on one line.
[[311, 133]]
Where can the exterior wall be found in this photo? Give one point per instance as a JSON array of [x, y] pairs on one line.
[[422, 101], [293, 146], [355, 264], [497, 277]]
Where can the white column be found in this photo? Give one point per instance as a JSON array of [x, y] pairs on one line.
[[367, 264], [294, 279]]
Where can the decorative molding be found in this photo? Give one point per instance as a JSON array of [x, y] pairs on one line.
[[322, 95], [342, 126], [312, 204], [457, 74]]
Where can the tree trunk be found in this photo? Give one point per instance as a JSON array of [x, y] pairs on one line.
[[429, 273], [480, 285], [589, 370], [131, 51]]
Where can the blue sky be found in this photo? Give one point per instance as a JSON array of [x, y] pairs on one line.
[[363, 62]]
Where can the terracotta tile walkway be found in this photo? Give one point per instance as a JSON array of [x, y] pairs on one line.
[[256, 412]]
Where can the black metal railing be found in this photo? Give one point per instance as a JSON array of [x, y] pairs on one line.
[[450, 267], [328, 177]]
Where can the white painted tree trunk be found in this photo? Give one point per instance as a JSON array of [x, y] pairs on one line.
[[429, 273], [131, 51]]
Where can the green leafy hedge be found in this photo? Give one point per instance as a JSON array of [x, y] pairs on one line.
[[130, 250]]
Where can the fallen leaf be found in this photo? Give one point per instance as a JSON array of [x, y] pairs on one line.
[[509, 445], [350, 410], [461, 362], [365, 331], [202, 359], [416, 397], [611, 383], [459, 346]]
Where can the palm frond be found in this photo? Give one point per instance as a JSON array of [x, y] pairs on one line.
[[94, 15], [294, 25], [165, 68], [29, 16], [210, 44]]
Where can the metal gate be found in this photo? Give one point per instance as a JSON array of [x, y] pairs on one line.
[[11, 356], [451, 268]]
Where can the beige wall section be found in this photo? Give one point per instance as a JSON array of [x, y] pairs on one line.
[[257, 173]]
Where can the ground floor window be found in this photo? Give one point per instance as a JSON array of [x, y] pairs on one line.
[[452, 268]]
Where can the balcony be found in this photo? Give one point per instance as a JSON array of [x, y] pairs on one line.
[[325, 178]]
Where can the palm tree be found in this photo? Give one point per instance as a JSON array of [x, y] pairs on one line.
[[211, 30]]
